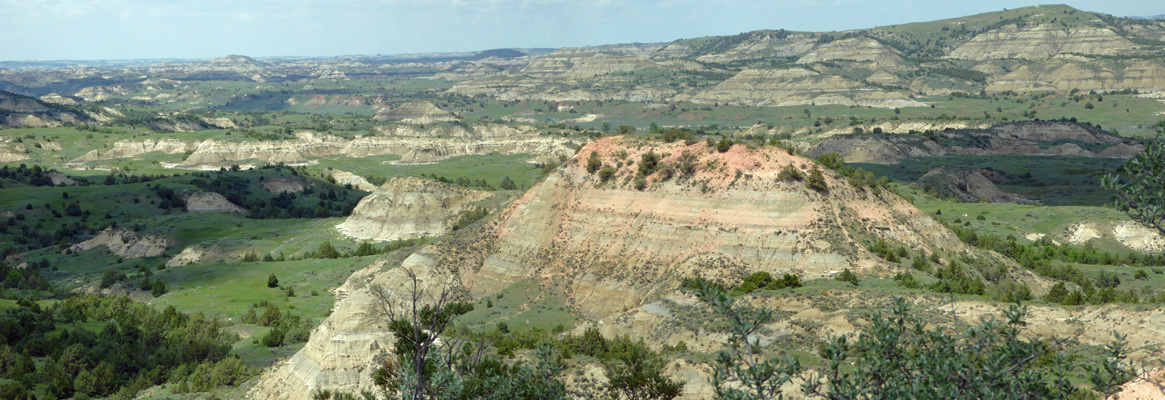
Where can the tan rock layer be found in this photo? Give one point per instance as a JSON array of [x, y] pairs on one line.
[[414, 145], [408, 208], [125, 243], [608, 246]]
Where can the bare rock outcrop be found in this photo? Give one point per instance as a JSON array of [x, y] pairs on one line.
[[343, 351], [209, 202], [55, 98], [125, 243], [284, 184], [207, 252], [417, 112], [1139, 237], [407, 208], [60, 179], [8, 155], [348, 178], [132, 148]]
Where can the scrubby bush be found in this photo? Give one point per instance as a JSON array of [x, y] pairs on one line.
[[849, 277], [816, 180], [606, 173], [790, 173]]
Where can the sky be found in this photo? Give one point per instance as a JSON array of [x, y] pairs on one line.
[[202, 29]]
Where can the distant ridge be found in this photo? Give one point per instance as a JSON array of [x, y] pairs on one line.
[[1158, 17], [498, 53]]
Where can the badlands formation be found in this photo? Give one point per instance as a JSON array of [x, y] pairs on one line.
[[611, 249], [409, 207], [413, 143]]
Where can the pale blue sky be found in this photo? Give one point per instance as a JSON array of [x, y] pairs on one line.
[[133, 29]]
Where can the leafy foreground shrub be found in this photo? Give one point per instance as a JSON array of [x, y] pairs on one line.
[[898, 357]]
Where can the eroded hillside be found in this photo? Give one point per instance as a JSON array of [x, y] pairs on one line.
[[613, 244]]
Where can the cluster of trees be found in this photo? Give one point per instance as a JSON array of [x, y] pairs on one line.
[[954, 279], [1039, 256], [480, 183], [766, 281], [168, 199], [883, 250], [857, 177], [328, 251], [286, 327], [19, 281], [469, 217], [35, 176], [756, 281], [131, 347], [38, 176], [310, 203]]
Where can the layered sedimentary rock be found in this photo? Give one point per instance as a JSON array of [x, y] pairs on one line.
[[348, 178], [869, 51], [125, 243], [1041, 41], [1064, 73], [409, 207], [131, 148], [797, 86], [418, 112], [414, 145], [609, 245]]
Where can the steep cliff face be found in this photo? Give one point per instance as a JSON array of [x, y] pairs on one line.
[[407, 208], [608, 246], [343, 351]]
